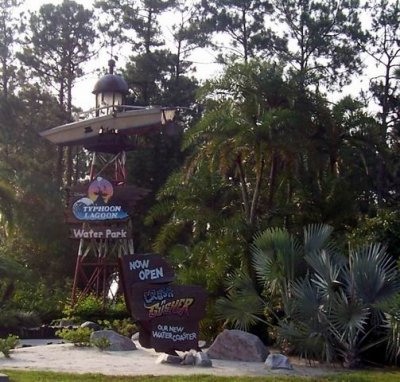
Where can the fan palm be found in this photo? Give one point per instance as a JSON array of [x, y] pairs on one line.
[[340, 303], [332, 304], [278, 259]]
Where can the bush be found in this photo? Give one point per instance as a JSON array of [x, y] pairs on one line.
[[125, 327], [7, 344], [13, 318], [101, 343], [78, 336], [92, 308]]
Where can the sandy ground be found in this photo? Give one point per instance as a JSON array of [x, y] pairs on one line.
[[67, 358]]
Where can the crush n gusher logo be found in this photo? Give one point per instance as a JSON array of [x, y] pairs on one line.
[[98, 203], [155, 301]]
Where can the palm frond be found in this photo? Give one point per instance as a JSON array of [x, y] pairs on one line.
[[275, 255], [306, 342], [242, 307], [348, 317], [375, 277], [327, 267], [309, 301], [316, 237]]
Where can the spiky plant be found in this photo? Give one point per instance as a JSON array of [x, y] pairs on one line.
[[333, 304], [337, 307], [277, 260]]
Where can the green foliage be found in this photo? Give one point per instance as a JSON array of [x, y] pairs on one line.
[[12, 319], [79, 336], [384, 227], [45, 299], [333, 309], [336, 310], [126, 327], [92, 308], [102, 343], [7, 344]]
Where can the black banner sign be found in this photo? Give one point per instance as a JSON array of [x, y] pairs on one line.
[[168, 314], [145, 268]]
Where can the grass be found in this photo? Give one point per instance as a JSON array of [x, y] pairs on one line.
[[47, 376]]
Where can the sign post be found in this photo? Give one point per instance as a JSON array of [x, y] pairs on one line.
[[168, 314]]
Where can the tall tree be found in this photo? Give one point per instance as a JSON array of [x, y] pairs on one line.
[[9, 23], [139, 20], [59, 42], [384, 49], [325, 39], [243, 22], [242, 133], [138, 16]]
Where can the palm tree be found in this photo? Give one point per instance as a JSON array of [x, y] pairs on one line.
[[331, 311], [278, 259], [241, 134]]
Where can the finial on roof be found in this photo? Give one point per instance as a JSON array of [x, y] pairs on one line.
[[111, 65]]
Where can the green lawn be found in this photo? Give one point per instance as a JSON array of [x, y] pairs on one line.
[[41, 376]]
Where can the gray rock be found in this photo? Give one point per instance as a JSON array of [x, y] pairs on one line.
[[237, 345], [188, 359], [278, 361], [65, 323], [117, 342], [91, 325], [168, 358], [202, 344], [4, 378], [201, 359]]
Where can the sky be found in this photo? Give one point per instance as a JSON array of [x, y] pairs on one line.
[[82, 92], [203, 59]]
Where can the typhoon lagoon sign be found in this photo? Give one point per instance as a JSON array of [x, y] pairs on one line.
[[98, 204], [100, 201], [168, 314]]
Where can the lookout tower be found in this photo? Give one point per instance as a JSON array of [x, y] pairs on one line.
[[99, 209]]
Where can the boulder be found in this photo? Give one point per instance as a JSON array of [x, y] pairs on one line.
[[168, 358], [201, 359], [237, 345], [91, 325], [202, 344], [188, 359], [66, 323], [117, 342], [278, 361]]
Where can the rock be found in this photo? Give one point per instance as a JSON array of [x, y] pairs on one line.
[[117, 342], [4, 378], [202, 344], [278, 361], [201, 359], [65, 323], [237, 345], [91, 325], [168, 358], [188, 359]]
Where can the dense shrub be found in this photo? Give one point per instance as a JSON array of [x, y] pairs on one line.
[[92, 308], [78, 336], [7, 344]]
